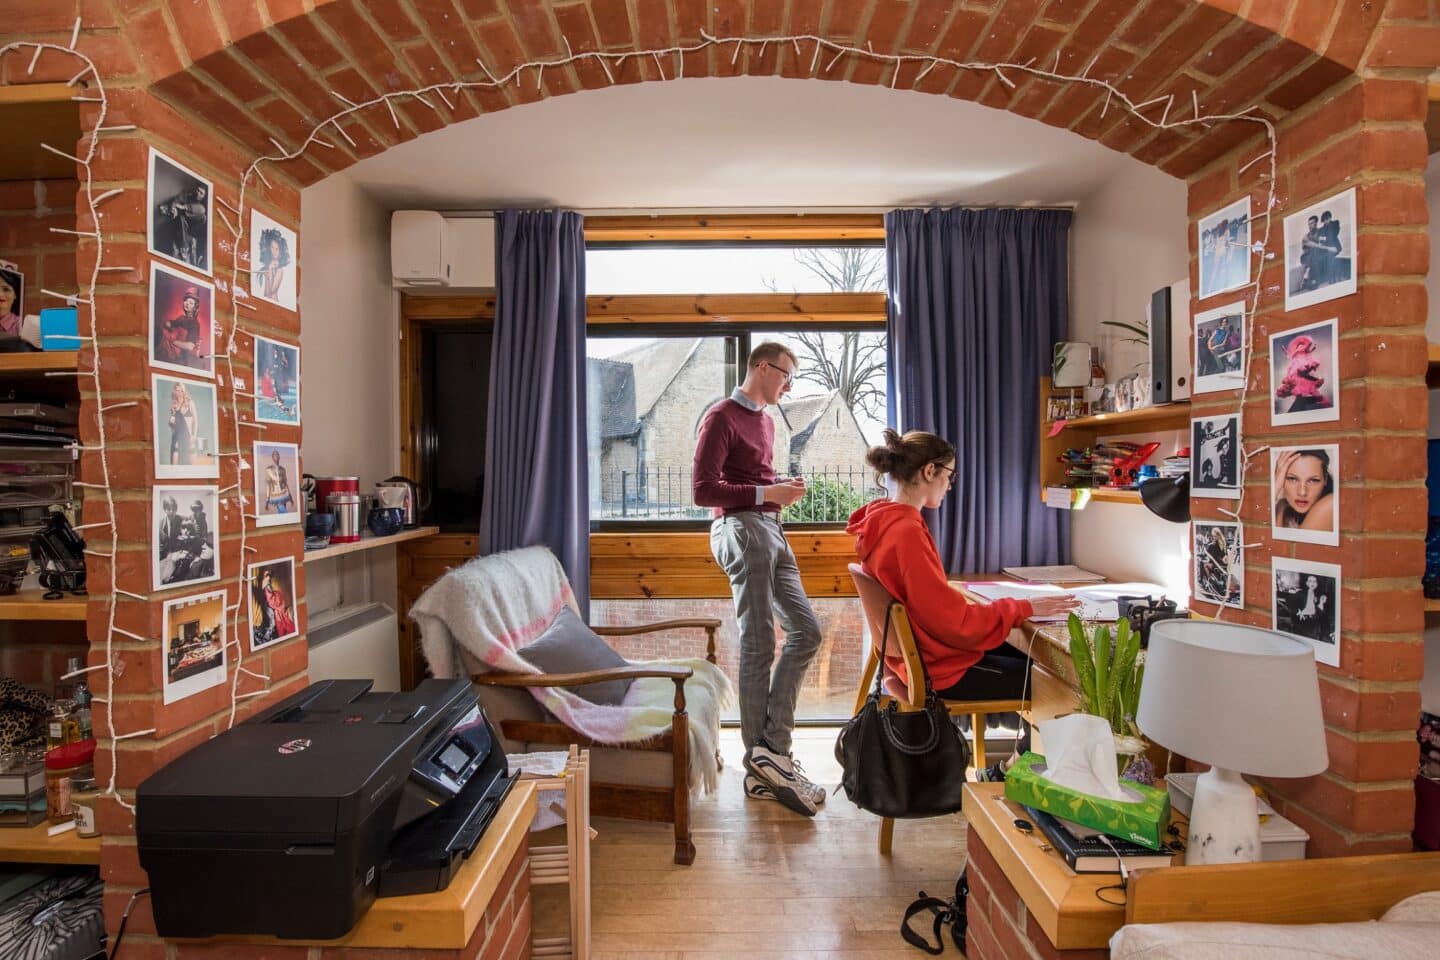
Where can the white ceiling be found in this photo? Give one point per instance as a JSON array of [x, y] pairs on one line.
[[740, 143]]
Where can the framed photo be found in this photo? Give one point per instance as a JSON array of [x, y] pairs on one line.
[[1320, 251], [186, 428], [182, 210], [1306, 602], [1215, 457], [1225, 249], [187, 537], [182, 329], [277, 382], [273, 249], [1305, 493], [272, 602], [1304, 381], [194, 644], [1219, 562], [12, 299], [276, 467], [1219, 340]]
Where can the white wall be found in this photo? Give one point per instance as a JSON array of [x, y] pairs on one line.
[[1128, 240], [349, 376]]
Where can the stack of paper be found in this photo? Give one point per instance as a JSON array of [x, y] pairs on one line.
[[1096, 602]]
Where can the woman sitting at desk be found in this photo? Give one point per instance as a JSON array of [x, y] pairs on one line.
[[961, 643]]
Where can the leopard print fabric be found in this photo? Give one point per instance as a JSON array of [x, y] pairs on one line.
[[21, 711]]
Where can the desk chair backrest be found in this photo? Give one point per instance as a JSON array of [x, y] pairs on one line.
[[877, 602]]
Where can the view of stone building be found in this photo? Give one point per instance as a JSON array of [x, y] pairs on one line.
[[645, 408]]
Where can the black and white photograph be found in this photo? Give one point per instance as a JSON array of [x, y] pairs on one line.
[[1219, 338], [272, 261], [1320, 252], [272, 602], [1215, 457], [1225, 249], [277, 382], [1307, 604], [1219, 563], [276, 467], [186, 433], [1305, 493], [182, 329], [182, 210], [187, 535], [12, 300], [1303, 378], [195, 657]]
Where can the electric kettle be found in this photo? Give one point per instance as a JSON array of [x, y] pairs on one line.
[[414, 501]]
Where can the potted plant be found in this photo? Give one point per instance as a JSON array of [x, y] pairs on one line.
[[1110, 672]]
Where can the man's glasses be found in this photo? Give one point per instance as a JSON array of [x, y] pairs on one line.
[[789, 375]]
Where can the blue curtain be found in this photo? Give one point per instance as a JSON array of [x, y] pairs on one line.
[[977, 298], [536, 470]]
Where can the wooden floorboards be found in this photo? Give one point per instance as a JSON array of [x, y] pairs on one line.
[[765, 882]]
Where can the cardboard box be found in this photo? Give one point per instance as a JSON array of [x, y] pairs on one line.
[[1142, 820]]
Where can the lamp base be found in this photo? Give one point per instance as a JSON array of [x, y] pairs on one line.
[[1224, 820]]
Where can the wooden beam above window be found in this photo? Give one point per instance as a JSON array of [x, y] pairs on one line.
[[819, 227], [791, 309]]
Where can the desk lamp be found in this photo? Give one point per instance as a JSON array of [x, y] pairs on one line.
[[1243, 700], [1168, 497]]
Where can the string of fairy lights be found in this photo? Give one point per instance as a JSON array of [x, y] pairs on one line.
[[1161, 113]]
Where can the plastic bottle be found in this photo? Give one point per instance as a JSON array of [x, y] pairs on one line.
[[80, 694]]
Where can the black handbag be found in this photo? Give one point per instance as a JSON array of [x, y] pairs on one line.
[[902, 764]]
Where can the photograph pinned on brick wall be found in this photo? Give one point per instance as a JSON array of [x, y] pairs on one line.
[[273, 248], [195, 658], [1306, 603], [276, 467], [1219, 563], [12, 300], [1225, 249], [182, 209], [1219, 335], [277, 382], [1303, 378], [1215, 457], [1320, 251], [185, 418], [1305, 493], [272, 602], [186, 550], [182, 331]]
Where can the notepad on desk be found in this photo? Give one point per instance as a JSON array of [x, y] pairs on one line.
[[1097, 602], [1066, 573]]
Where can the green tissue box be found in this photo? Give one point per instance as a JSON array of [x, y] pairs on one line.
[[1143, 821]]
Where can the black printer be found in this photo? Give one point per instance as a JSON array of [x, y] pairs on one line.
[[291, 823]]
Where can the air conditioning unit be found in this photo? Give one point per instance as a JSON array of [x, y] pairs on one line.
[[431, 250]]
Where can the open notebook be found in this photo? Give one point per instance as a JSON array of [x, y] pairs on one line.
[[1097, 601]]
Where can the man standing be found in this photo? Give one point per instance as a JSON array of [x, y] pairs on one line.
[[733, 474]]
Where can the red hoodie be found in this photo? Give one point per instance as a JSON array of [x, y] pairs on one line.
[[896, 548]]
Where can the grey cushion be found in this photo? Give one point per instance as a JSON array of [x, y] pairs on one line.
[[569, 646]]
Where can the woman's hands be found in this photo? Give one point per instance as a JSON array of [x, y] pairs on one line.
[[1056, 605]]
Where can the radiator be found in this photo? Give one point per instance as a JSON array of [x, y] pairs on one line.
[[358, 641]]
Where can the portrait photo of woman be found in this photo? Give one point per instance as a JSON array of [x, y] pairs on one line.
[[272, 261], [185, 415], [272, 607], [1304, 494], [12, 304]]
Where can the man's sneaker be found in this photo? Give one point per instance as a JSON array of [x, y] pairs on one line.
[[757, 789], [817, 792], [777, 772]]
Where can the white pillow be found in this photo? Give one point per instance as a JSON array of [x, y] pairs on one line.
[[1421, 908]]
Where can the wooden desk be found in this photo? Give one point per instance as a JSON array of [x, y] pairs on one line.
[[35, 845]]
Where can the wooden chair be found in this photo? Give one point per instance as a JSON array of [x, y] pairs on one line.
[[619, 788], [910, 691]]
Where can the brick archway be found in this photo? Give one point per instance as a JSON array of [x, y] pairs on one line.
[[260, 75]]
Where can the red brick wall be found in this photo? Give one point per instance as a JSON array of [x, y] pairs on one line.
[[998, 927]]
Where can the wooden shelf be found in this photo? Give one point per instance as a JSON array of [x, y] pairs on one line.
[[369, 542], [38, 361], [1169, 416], [30, 604], [1432, 606], [36, 113], [1432, 372], [35, 845], [1084, 432]]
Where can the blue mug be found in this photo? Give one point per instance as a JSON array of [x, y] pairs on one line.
[[386, 521], [319, 525]]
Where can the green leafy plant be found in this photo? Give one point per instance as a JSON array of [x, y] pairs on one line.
[[1110, 673], [825, 501], [1141, 334]]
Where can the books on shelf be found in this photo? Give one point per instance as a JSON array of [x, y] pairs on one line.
[[1095, 852]]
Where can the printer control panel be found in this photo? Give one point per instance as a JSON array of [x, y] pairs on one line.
[[449, 764]]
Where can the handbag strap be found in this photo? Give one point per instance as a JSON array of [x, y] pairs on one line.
[[946, 912]]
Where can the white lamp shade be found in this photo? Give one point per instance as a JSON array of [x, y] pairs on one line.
[[1237, 697]]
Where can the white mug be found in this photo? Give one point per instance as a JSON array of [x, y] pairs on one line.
[[391, 496]]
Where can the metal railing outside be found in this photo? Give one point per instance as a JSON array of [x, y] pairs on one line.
[[665, 493]]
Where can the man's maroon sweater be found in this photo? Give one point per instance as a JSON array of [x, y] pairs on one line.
[[732, 459]]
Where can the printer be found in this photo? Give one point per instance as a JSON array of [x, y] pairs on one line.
[[291, 823]]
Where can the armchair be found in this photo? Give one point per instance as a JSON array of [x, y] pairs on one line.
[[649, 780]]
